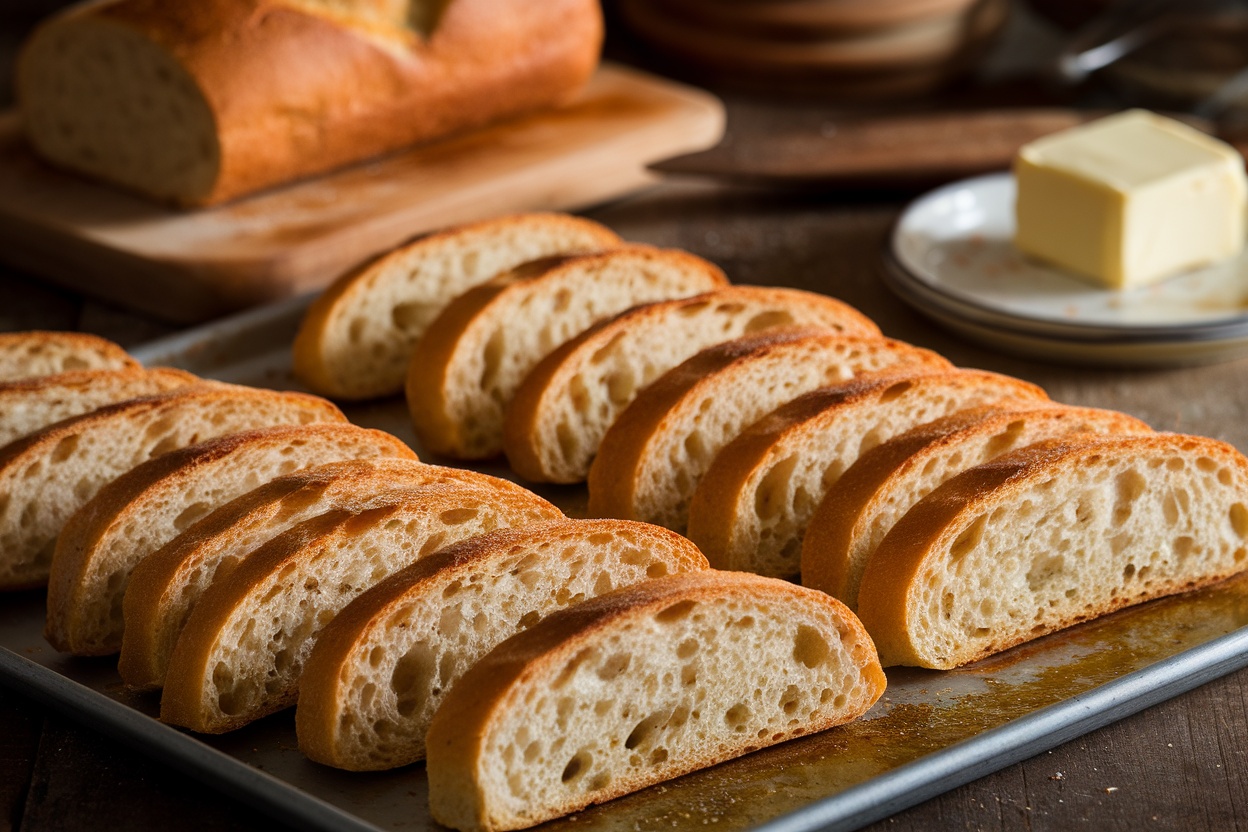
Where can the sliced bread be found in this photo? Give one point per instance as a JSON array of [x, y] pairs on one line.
[[886, 481], [148, 506], [49, 475], [243, 649], [30, 405], [1051, 535], [653, 457], [470, 361], [355, 341], [380, 669], [165, 586], [36, 353], [638, 686], [751, 509], [564, 406]]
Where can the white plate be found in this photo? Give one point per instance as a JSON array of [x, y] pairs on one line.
[[951, 256]]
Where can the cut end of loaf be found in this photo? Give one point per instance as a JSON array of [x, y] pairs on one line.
[[100, 99]]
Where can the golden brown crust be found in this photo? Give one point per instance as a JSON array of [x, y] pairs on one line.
[[485, 693], [183, 701], [730, 487], [348, 89], [550, 379], [80, 549], [80, 349], [614, 477], [326, 672], [462, 330], [324, 326], [887, 597], [841, 515]]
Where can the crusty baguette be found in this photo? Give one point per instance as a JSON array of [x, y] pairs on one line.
[[1051, 535], [566, 403], [862, 505], [470, 361], [49, 475], [31, 404], [379, 670], [201, 102], [357, 337], [655, 453], [751, 508], [242, 652], [165, 586], [34, 353], [639, 686], [148, 506]]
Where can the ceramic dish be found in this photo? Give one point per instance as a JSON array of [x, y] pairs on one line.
[[950, 256]]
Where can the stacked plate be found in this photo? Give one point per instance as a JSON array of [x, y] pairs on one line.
[[951, 256], [846, 48]]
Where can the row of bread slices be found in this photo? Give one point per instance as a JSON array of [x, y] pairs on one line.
[[245, 548], [750, 419]]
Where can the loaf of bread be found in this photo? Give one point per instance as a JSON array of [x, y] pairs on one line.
[[566, 403], [36, 353], [31, 404], [148, 506], [470, 361], [243, 648], [357, 337], [380, 669], [165, 586], [652, 458], [751, 509], [861, 506], [639, 686], [1050, 535], [196, 103], [49, 475]]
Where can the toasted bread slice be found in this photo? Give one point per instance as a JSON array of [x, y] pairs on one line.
[[44, 353], [357, 337], [751, 509], [564, 406], [243, 649], [652, 458], [639, 686], [470, 361], [1051, 535], [30, 405], [165, 586], [148, 506], [382, 666], [49, 475], [887, 480]]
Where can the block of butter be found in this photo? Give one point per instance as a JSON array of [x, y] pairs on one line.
[[1130, 199]]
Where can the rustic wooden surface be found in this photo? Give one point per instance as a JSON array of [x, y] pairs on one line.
[[1180, 765]]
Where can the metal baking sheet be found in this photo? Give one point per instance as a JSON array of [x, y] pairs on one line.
[[931, 732]]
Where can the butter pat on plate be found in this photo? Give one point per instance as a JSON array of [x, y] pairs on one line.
[[1130, 199]]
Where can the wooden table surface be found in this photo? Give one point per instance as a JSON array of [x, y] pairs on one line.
[[1179, 765]]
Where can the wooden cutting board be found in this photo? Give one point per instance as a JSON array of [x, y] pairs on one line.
[[189, 266]]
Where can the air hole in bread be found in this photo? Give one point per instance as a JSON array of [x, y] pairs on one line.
[[1170, 509], [1224, 476], [810, 647], [675, 612], [603, 584], [412, 678], [968, 540], [614, 667], [791, 699], [768, 320], [1184, 546], [621, 386], [644, 731], [65, 448], [492, 359], [687, 648], [773, 495], [1238, 516], [577, 766], [895, 391], [737, 716], [190, 514]]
